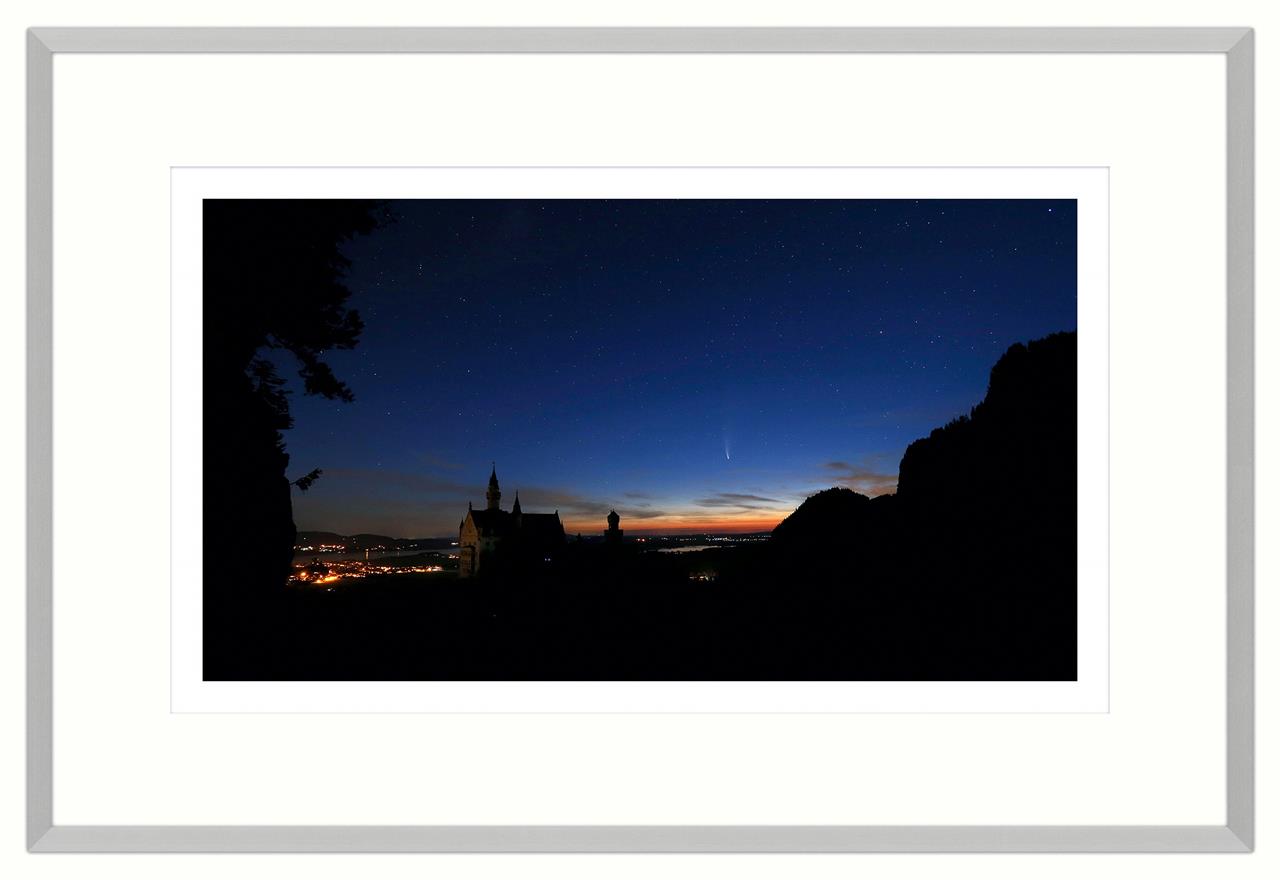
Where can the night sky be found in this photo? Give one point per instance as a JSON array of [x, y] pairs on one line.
[[697, 365]]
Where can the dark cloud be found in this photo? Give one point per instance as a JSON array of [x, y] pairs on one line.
[[739, 500], [863, 478], [577, 506], [394, 518]]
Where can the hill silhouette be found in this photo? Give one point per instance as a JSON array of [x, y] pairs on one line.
[[832, 517], [364, 541]]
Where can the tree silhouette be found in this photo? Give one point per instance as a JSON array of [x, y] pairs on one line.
[[274, 288], [308, 479]]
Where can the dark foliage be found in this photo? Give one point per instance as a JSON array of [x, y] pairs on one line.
[[273, 290], [307, 480]]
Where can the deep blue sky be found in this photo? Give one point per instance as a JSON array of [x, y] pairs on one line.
[[695, 364]]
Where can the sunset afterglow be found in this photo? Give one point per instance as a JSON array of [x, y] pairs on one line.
[[698, 366]]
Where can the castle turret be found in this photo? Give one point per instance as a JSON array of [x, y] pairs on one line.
[[613, 534], [515, 510], [494, 494]]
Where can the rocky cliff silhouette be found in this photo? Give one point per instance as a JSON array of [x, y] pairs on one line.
[[1015, 447], [974, 558], [1014, 452]]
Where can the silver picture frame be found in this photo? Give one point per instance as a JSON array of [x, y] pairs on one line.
[[1236, 835]]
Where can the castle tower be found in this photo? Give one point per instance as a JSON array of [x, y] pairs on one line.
[[515, 510], [494, 495], [613, 534]]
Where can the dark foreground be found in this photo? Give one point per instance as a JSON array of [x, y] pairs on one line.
[[639, 617]]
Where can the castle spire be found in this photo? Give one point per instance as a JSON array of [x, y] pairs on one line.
[[515, 508], [613, 534], [494, 495]]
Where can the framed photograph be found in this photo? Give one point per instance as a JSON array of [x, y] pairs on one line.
[[601, 440]]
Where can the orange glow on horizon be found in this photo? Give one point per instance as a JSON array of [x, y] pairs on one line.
[[694, 523]]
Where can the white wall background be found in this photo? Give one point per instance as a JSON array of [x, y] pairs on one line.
[[23, 13]]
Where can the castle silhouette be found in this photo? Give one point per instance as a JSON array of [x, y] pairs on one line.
[[493, 539]]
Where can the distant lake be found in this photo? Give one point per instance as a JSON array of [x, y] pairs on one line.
[[305, 556], [691, 549]]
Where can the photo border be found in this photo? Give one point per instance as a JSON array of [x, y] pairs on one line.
[[1087, 186], [1237, 835]]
